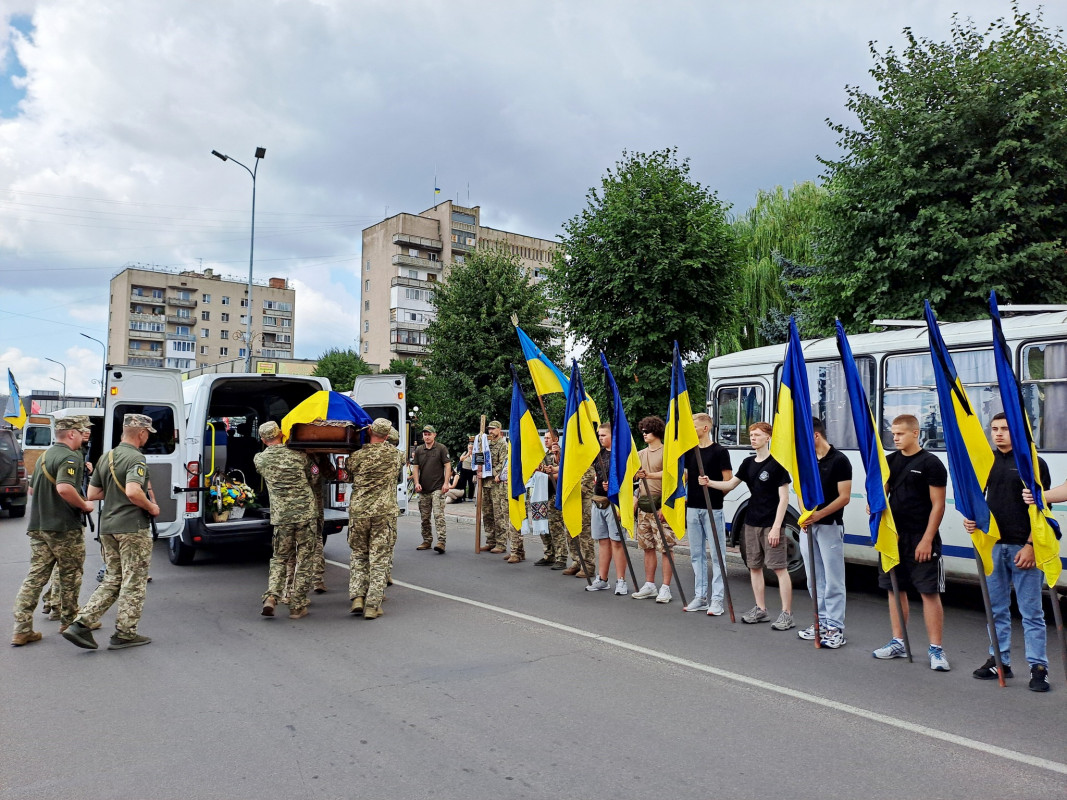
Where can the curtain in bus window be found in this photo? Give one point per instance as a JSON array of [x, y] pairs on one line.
[[1044, 374], [750, 408], [829, 398]]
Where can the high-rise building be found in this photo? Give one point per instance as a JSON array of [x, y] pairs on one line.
[[191, 319], [407, 255]]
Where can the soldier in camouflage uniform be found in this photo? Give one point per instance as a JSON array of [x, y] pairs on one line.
[[322, 472], [583, 543], [494, 487], [55, 529], [431, 470], [293, 514], [372, 511], [394, 440], [121, 480], [556, 532]]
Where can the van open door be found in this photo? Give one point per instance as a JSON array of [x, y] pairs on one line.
[[158, 394], [386, 396]]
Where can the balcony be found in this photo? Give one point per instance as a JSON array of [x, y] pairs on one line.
[[464, 226], [413, 349], [146, 296], [155, 336], [177, 319], [414, 261], [414, 283], [408, 240], [147, 318], [173, 300], [144, 352], [180, 337], [462, 248], [407, 326]]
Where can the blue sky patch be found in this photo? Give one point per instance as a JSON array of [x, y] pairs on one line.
[[10, 95]]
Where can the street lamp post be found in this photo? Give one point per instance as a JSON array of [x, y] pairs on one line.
[[260, 153], [64, 366], [103, 368]]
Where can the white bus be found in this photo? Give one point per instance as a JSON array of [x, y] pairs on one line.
[[896, 370]]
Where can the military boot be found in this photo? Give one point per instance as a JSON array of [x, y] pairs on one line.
[[122, 642]]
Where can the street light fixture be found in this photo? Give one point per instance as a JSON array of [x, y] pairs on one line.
[[64, 381], [103, 369], [260, 153]]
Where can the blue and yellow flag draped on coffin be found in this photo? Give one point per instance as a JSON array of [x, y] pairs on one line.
[[1044, 530], [526, 452], [624, 463], [883, 528], [679, 438], [969, 455], [326, 405], [14, 413], [793, 439], [578, 448]]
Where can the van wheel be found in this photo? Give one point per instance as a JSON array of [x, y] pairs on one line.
[[179, 552], [795, 561]]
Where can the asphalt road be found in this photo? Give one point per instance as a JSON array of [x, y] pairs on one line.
[[485, 679]]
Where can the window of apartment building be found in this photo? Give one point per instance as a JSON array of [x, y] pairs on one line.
[[203, 349], [413, 273], [277, 305], [368, 266], [461, 259], [244, 319], [241, 353], [225, 317], [204, 333], [224, 351], [431, 277], [147, 326], [455, 237], [413, 252], [205, 316], [366, 285], [366, 347], [286, 322], [184, 294], [224, 334], [366, 326], [244, 302], [181, 330], [205, 298], [182, 347], [432, 256], [270, 321], [157, 294], [183, 313], [366, 305], [225, 300], [283, 338]]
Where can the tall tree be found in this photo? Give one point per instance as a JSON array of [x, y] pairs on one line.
[[473, 342], [952, 182], [650, 260], [341, 367]]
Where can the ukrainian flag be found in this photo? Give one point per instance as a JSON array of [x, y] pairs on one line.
[[624, 463], [527, 451], [883, 528], [793, 439], [547, 377], [1044, 530], [14, 413], [680, 437], [577, 451], [969, 455]]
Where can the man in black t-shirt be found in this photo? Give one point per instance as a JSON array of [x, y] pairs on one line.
[[917, 488], [698, 521], [827, 529], [431, 470]]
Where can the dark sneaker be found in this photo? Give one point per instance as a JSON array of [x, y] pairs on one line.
[[560, 565], [20, 639], [1039, 678], [81, 636], [544, 562], [122, 642], [988, 671]]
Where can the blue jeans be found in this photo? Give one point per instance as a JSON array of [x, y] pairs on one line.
[[1027, 583], [829, 572], [698, 528]]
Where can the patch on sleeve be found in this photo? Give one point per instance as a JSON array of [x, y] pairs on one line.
[[70, 471], [140, 471]]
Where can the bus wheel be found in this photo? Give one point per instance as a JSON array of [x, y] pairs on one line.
[[179, 552], [795, 561]]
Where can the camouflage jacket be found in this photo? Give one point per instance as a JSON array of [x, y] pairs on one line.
[[288, 477], [589, 483], [373, 471], [498, 451]]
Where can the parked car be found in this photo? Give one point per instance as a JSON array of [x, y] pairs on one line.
[[14, 486]]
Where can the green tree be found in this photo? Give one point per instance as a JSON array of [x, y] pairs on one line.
[[952, 182], [778, 230], [473, 343], [650, 260], [415, 375], [341, 367]]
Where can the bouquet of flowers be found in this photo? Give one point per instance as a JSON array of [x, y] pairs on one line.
[[229, 493]]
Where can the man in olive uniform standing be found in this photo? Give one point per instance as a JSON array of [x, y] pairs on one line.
[[371, 517], [495, 498], [121, 480], [55, 529], [293, 514], [431, 470]]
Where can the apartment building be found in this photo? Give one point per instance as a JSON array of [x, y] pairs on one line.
[[407, 255], [190, 319]]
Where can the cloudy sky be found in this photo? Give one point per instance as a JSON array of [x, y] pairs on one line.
[[109, 111]]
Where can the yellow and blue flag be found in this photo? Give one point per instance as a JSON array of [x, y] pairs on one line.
[[679, 438], [883, 528], [15, 413], [793, 439], [1044, 530], [547, 377], [527, 451], [579, 447], [624, 462], [969, 455]]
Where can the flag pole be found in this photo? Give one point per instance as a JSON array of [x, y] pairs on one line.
[[478, 501], [994, 640], [715, 538], [814, 585], [618, 525], [1057, 614], [666, 548], [900, 612]]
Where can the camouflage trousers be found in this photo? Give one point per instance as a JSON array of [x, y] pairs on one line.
[[495, 522], [65, 552], [432, 503], [127, 557], [392, 546], [371, 540], [583, 542], [318, 566], [557, 533], [292, 540]]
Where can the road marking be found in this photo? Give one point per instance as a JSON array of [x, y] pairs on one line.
[[796, 694]]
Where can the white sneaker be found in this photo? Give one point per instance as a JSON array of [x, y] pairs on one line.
[[648, 590], [664, 595], [697, 604], [597, 585], [620, 587], [716, 608]]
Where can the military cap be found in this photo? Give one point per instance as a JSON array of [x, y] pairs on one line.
[[381, 427], [138, 421], [470, 437], [76, 423], [429, 429], [494, 424], [269, 431], [394, 437]]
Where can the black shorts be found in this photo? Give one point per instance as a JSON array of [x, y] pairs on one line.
[[926, 577]]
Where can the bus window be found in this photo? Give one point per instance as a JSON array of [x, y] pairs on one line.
[[910, 389], [163, 441], [829, 398], [737, 407], [1044, 384]]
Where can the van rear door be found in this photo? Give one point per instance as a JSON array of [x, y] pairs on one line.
[[386, 396], [157, 393]]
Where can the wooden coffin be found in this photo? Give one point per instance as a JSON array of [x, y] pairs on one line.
[[324, 438]]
